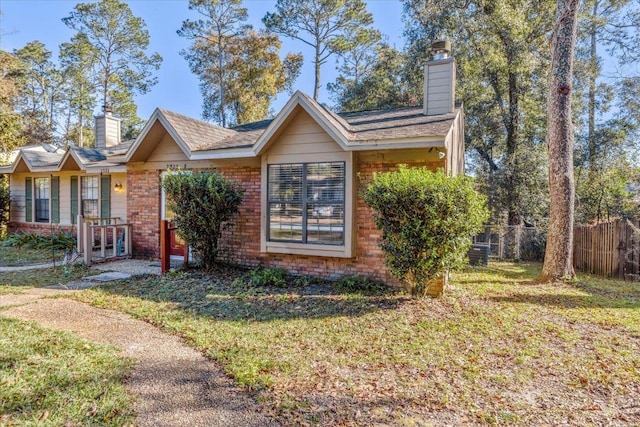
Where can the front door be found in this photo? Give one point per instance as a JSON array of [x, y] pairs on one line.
[[178, 246]]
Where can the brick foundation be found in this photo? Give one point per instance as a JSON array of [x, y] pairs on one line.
[[42, 229]]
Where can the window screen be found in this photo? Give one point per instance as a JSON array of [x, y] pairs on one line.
[[89, 196], [306, 203], [41, 187]]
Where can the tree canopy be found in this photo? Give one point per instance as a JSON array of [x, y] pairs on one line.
[[320, 24], [240, 69], [119, 41]]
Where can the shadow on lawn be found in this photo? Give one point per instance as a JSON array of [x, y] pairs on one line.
[[218, 296], [606, 297]]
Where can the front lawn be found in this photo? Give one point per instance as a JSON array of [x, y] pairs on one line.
[[50, 378], [15, 281], [496, 349], [11, 256]]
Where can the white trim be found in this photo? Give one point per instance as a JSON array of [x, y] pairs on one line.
[[298, 99]]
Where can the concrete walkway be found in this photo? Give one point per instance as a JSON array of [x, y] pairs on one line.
[[175, 385], [27, 267]]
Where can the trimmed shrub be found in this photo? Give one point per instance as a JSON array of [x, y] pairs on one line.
[[427, 220], [203, 202]]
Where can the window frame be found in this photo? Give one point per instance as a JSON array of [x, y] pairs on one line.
[[305, 203], [82, 199], [348, 249], [37, 206]]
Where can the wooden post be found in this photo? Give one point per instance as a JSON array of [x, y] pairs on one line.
[[165, 246], [80, 241], [88, 243]]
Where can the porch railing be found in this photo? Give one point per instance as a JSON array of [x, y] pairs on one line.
[[103, 239]]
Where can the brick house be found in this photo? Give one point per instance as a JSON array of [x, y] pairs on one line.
[[302, 173]]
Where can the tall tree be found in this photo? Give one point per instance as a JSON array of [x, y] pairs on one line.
[[258, 75], [40, 89], [605, 131], [11, 129], [558, 259], [76, 62], [383, 84], [240, 70], [319, 24], [120, 41], [502, 57], [209, 55]]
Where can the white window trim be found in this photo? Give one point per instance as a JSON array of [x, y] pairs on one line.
[[347, 250]]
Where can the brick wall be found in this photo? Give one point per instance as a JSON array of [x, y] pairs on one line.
[[240, 243], [43, 229], [143, 211]]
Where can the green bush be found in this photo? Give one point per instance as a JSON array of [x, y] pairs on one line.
[[276, 277], [59, 241], [361, 285], [427, 220], [203, 203]]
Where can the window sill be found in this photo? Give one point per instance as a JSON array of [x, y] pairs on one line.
[[309, 249]]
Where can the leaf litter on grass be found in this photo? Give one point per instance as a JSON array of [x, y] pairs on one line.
[[493, 350]]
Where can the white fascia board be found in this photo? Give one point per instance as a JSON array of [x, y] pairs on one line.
[[98, 169], [222, 154], [312, 110], [143, 134], [394, 144], [157, 116]]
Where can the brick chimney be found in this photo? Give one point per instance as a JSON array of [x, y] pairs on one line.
[[440, 81], [107, 129]]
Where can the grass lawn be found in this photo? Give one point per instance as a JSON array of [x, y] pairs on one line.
[[12, 282], [14, 256], [496, 349], [52, 378]]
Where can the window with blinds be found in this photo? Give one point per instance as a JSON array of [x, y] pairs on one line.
[[306, 203]]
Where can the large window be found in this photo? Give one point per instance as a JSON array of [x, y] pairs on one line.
[[306, 203], [89, 196], [41, 187]]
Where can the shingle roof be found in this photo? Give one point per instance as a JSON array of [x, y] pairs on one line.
[[38, 157], [358, 127], [397, 123], [199, 135]]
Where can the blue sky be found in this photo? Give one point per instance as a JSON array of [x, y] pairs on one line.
[[23, 21]]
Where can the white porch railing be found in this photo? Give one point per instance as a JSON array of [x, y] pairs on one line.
[[103, 239]]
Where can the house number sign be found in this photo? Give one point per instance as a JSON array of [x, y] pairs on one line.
[[175, 166], [104, 171]]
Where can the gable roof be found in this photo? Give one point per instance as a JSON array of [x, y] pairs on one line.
[[365, 130]]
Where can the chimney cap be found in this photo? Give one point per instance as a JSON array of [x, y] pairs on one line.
[[441, 49], [107, 109]]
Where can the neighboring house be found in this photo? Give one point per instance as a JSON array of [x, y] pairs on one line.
[[302, 172], [50, 186]]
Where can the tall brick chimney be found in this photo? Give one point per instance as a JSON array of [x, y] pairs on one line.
[[440, 81], [107, 129]]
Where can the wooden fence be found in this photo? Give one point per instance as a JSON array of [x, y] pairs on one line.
[[610, 249]]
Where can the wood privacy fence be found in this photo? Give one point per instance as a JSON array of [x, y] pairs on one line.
[[610, 249]]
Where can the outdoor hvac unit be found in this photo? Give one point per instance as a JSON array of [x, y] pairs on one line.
[[479, 254]]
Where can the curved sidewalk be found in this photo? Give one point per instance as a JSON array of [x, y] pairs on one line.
[[175, 385]]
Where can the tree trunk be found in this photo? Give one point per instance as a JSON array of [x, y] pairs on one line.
[[558, 262], [316, 87], [593, 74]]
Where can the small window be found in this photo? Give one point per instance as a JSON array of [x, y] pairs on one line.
[[89, 191], [306, 203], [42, 193]]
